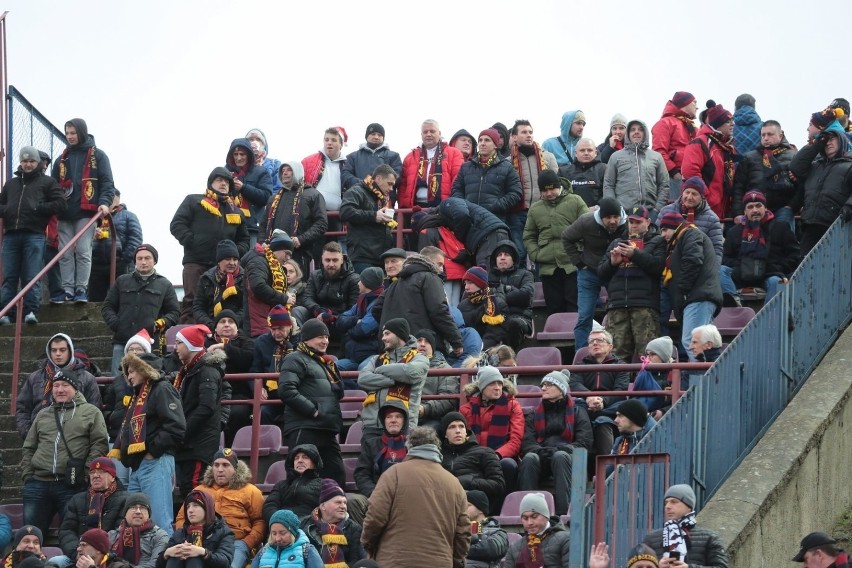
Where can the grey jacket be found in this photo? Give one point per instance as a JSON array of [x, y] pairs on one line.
[[637, 175], [554, 546], [152, 542]]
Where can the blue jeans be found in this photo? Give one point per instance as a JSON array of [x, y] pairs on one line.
[[785, 215], [241, 554], [588, 292], [516, 222], [694, 315], [43, 499], [155, 478], [23, 257], [728, 286], [117, 356]]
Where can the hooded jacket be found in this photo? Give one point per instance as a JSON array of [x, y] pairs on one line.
[[496, 188], [368, 471], [554, 546], [515, 284], [201, 397], [299, 492], [546, 221], [774, 182], [305, 388], [271, 165], [129, 233], [217, 537], [257, 182], [459, 134], [636, 283], [586, 180], [586, 240], [363, 162], [694, 160], [367, 239], [135, 302], [379, 378], [29, 200], [471, 223], [103, 187], [299, 554], [563, 146], [747, 125], [671, 135], [826, 184], [312, 220], [637, 175], [451, 163], [705, 219]]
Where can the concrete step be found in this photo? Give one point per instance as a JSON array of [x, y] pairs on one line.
[[50, 313], [30, 365], [75, 329], [11, 456], [98, 343]]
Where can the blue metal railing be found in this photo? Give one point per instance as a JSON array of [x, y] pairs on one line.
[[718, 421]]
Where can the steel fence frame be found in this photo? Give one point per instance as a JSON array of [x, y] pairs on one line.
[[29, 127]]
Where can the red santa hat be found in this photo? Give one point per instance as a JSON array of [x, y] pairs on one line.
[[142, 338]]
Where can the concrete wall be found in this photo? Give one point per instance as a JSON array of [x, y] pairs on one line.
[[798, 478]]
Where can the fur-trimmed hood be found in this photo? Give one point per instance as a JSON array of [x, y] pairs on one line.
[[418, 263], [148, 364], [214, 358], [242, 476], [472, 389]]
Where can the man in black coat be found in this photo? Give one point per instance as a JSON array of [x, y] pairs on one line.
[[515, 283], [221, 288], [331, 290], [767, 170], [332, 518], [363, 161], [300, 490], [378, 453], [369, 218]]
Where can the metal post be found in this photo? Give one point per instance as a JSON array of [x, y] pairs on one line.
[[579, 553]]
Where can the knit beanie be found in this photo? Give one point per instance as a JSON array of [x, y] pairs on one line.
[[375, 127], [559, 379], [30, 153], [103, 464], [365, 563], [448, 419], [97, 539], [493, 134], [398, 327], [142, 338], [193, 336], [29, 559], [579, 116], [682, 98], [27, 530], [227, 314], [534, 503], [429, 336], [663, 347], [478, 276], [329, 489], [642, 552], [717, 115], [137, 499], [280, 240], [840, 103], [754, 197], [226, 249], [150, 249], [609, 206], [228, 454], [313, 328], [479, 500], [682, 493], [287, 518], [548, 179], [487, 375], [69, 376], [695, 183], [635, 411], [618, 118], [372, 277], [670, 220], [279, 316], [824, 118]]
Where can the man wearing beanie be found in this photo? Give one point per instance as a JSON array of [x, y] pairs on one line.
[[45, 461], [636, 175], [381, 452], [633, 424], [509, 277], [640, 556], [331, 531], [552, 431], [93, 551], [363, 161], [222, 287], [586, 173], [266, 279], [673, 132], [570, 132], [201, 222], [759, 251], [586, 241], [427, 526], [545, 540], [712, 157], [431, 411], [357, 325], [747, 125], [138, 539], [822, 168], [428, 171], [680, 543], [26, 544], [398, 373], [270, 349], [311, 389], [694, 209], [27, 202], [369, 216], [614, 140], [237, 500], [488, 542], [331, 289], [484, 308]]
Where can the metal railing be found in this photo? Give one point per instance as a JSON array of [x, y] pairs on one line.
[[28, 127]]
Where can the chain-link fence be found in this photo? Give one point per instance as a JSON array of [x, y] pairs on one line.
[[28, 127]]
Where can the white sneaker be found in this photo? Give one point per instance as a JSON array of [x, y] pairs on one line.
[[30, 318]]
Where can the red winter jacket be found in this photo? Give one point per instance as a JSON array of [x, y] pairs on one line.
[[452, 161], [670, 137], [512, 448], [694, 159]]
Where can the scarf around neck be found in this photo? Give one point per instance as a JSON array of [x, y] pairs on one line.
[[127, 544], [434, 182], [399, 391], [326, 362], [675, 533], [498, 430], [540, 421], [215, 203], [667, 270], [490, 317], [134, 423], [393, 451], [532, 555], [753, 242], [88, 180], [181, 374], [94, 515], [225, 288], [295, 214], [333, 542]]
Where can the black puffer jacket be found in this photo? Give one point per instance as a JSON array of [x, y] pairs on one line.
[[773, 182], [29, 200], [367, 239], [488, 547], [363, 162], [497, 188], [826, 185], [468, 221], [475, 466], [75, 523], [695, 271], [515, 284], [637, 283], [305, 388], [784, 251], [703, 546], [135, 303], [201, 396], [300, 491], [338, 294], [418, 296], [586, 179], [554, 426], [202, 305], [257, 183]]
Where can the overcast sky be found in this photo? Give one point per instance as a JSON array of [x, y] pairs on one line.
[[166, 86]]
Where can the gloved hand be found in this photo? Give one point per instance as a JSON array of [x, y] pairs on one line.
[[845, 213], [159, 325]]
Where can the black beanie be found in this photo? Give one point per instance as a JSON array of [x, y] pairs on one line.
[[375, 127], [226, 249], [479, 500], [635, 411], [27, 530], [313, 328], [398, 327], [448, 419], [609, 206], [429, 336], [548, 179], [150, 249]]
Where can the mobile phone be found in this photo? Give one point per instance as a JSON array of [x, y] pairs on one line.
[[674, 554]]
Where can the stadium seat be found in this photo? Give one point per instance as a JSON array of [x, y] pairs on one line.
[[538, 296], [559, 328], [579, 355], [171, 334], [15, 512], [353, 439], [268, 442], [514, 537], [537, 356], [276, 472], [349, 465], [510, 515], [350, 410], [51, 551], [731, 321], [528, 404]]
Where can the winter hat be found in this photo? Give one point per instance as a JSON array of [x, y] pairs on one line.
[[642, 552], [30, 153], [534, 503], [618, 118], [663, 347], [670, 220], [478, 276], [744, 100], [279, 316], [682, 493], [393, 253], [226, 249], [137, 499], [548, 179], [343, 134], [635, 411], [609, 206], [448, 419], [375, 127], [142, 338], [824, 118], [228, 454], [579, 115], [193, 336], [682, 98], [842, 104], [479, 500], [29, 559], [493, 134], [487, 375], [25, 531], [227, 314], [97, 539], [398, 327], [695, 183], [150, 249], [329, 490], [372, 277], [103, 464], [69, 376], [559, 379], [429, 336], [717, 115], [812, 541], [287, 518], [280, 241], [754, 197], [639, 212], [313, 328]]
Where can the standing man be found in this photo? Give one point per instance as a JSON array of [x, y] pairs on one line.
[[324, 171], [126, 229], [636, 176], [221, 288], [142, 299], [252, 183], [265, 279], [418, 493], [614, 140], [673, 132], [27, 203], [586, 174], [369, 155], [368, 213], [747, 124], [428, 172], [571, 130], [711, 156], [85, 176]]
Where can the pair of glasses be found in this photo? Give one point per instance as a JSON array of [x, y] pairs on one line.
[[597, 340]]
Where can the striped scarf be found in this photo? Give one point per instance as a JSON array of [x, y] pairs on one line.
[[540, 422], [94, 514], [225, 288], [134, 416], [90, 177], [215, 203], [674, 535], [382, 200], [516, 163], [393, 451], [332, 551], [688, 122], [281, 351], [195, 534], [434, 181], [399, 391], [498, 429], [295, 214], [490, 317]]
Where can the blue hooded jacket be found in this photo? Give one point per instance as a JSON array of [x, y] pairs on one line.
[[563, 146], [747, 125]]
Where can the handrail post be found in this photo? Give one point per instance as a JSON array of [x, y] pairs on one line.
[[578, 552], [254, 459]]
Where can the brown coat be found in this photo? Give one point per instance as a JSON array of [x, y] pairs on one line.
[[418, 515]]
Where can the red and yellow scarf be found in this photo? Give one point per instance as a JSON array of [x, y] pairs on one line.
[[325, 361], [667, 270], [516, 162], [295, 214], [399, 391], [490, 317], [434, 181], [181, 374], [215, 203], [382, 200], [90, 177], [532, 555], [135, 415], [94, 514], [333, 541], [225, 288]]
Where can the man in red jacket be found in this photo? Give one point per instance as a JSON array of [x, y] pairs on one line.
[[673, 132], [428, 172]]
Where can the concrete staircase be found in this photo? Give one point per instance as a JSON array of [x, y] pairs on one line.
[[87, 330]]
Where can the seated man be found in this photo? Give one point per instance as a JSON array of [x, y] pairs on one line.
[[483, 308], [357, 325], [378, 453], [331, 530], [203, 541], [138, 539], [759, 251], [475, 466], [488, 542], [544, 538], [515, 283], [26, 544], [221, 287], [553, 430], [331, 290], [633, 422], [269, 352], [93, 551], [706, 343], [299, 491], [239, 502], [432, 411]]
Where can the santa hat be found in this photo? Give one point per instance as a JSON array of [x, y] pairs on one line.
[[193, 337], [343, 134], [143, 338]]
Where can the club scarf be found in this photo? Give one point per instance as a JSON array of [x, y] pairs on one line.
[[382, 200], [540, 421], [487, 162], [753, 242], [96, 505], [90, 177], [532, 555], [728, 153], [326, 362], [434, 181], [667, 270], [215, 203], [773, 173], [127, 545], [47, 393], [333, 541], [295, 213], [181, 374], [224, 288], [279, 278], [103, 230], [674, 535], [281, 350], [490, 317], [516, 163], [393, 451], [498, 429], [690, 125], [195, 534], [137, 410], [688, 213], [399, 391]]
